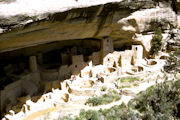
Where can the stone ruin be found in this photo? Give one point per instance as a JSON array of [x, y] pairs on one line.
[[99, 64]]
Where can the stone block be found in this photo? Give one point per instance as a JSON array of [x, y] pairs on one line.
[[2, 99], [12, 91], [56, 84], [107, 46], [29, 87], [116, 55], [49, 75], [65, 58], [109, 61], [47, 87], [64, 72], [33, 64], [125, 60], [13, 85], [40, 58], [65, 85], [74, 50], [137, 53], [86, 72], [96, 58], [77, 59], [35, 77], [77, 64], [11, 96]]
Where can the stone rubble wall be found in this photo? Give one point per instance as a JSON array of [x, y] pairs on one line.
[[14, 90], [29, 83], [82, 84]]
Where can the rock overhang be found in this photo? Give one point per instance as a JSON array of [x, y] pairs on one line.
[[77, 23], [95, 20]]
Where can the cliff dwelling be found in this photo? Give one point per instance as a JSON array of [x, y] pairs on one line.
[[27, 71], [54, 59], [36, 70]]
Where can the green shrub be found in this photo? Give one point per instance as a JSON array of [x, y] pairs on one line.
[[173, 62], [156, 41], [65, 118], [128, 79], [88, 115], [124, 86], [119, 112], [161, 102], [111, 96]]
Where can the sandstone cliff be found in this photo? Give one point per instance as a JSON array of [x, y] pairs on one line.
[[119, 19]]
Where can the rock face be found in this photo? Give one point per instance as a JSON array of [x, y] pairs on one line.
[[118, 20]]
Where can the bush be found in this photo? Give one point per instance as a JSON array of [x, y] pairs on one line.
[[161, 102], [65, 118], [84, 115], [173, 62], [111, 96], [128, 79], [119, 112], [156, 42], [89, 115]]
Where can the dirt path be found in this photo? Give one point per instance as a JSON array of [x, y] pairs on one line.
[[39, 113], [77, 107]]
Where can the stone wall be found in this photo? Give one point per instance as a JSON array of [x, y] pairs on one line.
[[125, 59], [24, 86], [29, 84]]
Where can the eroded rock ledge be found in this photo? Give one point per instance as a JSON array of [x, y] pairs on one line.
[[119, 20]]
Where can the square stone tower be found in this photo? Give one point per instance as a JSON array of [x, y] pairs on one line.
[[137, 53], [106, 47]]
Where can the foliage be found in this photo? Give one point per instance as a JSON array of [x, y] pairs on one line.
[[109, 97], [65, 118], [84, 115], [119, 112], [128, 79], [88, 115], [124, 86], [173, 62], [156, 41], [161, 102]]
